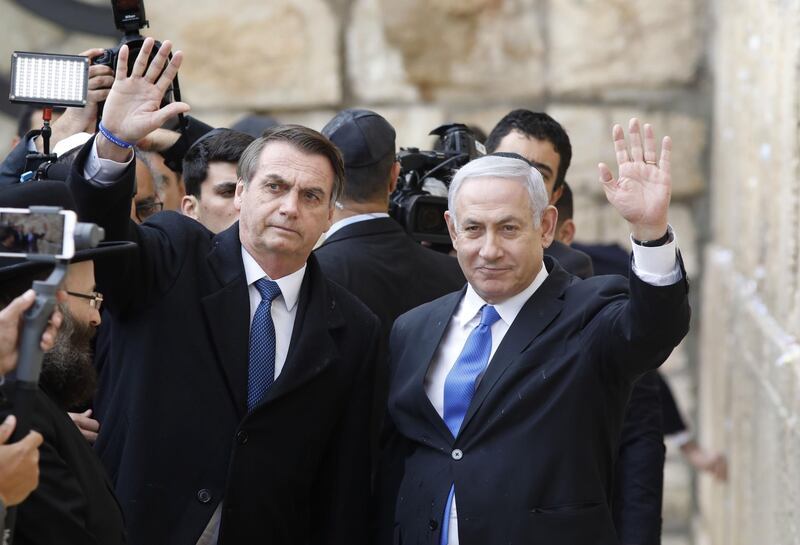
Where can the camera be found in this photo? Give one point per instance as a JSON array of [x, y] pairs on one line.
[[45, 231], [420, 200], [129, 17]]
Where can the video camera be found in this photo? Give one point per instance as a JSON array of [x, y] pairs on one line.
[[420, 200]]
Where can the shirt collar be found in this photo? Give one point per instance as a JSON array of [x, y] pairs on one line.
[[354, 219], [508, 309], [289, 284]]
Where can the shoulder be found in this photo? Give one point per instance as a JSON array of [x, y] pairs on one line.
[[419, 317]]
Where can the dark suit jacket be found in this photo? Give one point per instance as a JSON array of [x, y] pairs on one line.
[[74, 503], [177, 437], [14, 163], [572, 260], [540, 437], [384, 267]]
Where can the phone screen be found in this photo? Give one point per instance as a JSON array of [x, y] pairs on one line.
[[25, 233]]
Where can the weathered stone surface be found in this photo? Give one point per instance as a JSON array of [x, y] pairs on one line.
[[413, 124], [253, 54], [451, 49], [22, 31], [598, 46], [677, 491]]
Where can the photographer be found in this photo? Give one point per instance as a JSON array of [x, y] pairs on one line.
[[72, 121]]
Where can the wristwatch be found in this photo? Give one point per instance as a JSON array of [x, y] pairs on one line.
[[657, 242]]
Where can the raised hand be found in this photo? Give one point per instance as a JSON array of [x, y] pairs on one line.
[[641, 193], [133, 108]]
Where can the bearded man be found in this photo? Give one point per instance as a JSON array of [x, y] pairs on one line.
[[74, 503]]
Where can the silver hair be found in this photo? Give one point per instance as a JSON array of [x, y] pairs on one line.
[[507, 168]]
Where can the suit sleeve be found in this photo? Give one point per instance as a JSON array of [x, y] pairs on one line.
[[134, 278], [635, 332], [343, 491]]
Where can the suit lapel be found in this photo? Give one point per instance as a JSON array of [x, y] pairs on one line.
[[312, 348], [537, 313], [227, 312], [439, 319]]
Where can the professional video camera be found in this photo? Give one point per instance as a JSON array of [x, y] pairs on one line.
[[420, 200]]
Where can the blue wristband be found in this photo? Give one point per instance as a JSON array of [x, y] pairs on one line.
[[113, 139]]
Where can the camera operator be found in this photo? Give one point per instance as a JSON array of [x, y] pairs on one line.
[[74, 503], [72, 121], [19, 462]]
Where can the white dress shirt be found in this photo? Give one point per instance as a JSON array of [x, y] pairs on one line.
[[657, 266], [354, 219], [284, 306]]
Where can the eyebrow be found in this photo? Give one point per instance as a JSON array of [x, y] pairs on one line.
[[544, 169], [224, 187]]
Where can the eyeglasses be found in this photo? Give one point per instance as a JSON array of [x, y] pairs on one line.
[[148, 207], [95, 299]]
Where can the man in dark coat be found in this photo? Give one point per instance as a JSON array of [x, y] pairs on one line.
[[241, 408], [74, 503], [507, 399]]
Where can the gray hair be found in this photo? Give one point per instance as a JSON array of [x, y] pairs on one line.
[[507, 168]]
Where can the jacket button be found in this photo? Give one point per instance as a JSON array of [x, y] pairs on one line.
[[203, 495], [433, 525], [241, 437], [457, 454]]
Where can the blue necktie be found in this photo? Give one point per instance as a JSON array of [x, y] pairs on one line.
[[261, 373], [459, 386]]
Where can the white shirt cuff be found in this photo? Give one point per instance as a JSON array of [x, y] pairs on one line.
[[101, 171], [657, 266], [681, 438]]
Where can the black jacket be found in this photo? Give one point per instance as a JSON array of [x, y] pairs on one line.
[[74, 503], [177, 437], [539, 440]]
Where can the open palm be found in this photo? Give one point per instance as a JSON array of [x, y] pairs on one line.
[[133, 108], [641, 192]]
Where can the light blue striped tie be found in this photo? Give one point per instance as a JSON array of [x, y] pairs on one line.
[[459, 386], [261, 372]]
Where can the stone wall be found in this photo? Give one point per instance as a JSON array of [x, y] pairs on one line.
[[749, 357], [590, 63]]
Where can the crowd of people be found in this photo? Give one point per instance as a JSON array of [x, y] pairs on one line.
[[260, 353]]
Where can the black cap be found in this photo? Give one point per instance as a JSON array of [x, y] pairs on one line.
[[363, 137], [47, 193]]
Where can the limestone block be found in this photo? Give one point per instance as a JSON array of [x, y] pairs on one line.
[[689, 146], [598, 46], [589, 130], [413, 124], [22, 31], [252, 54], [677, 491], [314, 119], [677, 362], [448, 49]]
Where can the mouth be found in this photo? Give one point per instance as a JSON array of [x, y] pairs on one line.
[[283, 229], [492, 270]]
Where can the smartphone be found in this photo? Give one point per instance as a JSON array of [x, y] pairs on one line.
[[37, 231]]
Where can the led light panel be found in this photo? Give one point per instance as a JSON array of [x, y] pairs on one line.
[[55, 80]]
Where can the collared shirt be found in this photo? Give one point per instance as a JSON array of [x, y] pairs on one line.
[[354, 219], [284, 307], [657, 266]]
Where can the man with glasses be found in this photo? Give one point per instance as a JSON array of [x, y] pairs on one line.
[[74, 503]]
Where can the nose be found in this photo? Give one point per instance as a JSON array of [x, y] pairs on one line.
[[289, 204], [95, 318], [491, 249]]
